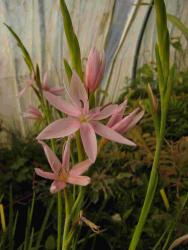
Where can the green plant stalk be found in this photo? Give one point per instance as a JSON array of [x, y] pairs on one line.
[[42, 229], [59, 220], [153, 176], [72, 215], [67, 221]]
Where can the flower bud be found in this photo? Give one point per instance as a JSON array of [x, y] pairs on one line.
[[94, 70]]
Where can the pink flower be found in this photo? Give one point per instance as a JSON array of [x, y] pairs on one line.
[[81, 118], [62, 174], [54, 90], [123, 124], [32, 113], [94, 70]]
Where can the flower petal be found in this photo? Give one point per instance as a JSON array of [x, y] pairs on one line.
[[110, 134], [80, 168], [28, 84], [89, 141], [106, 112], [61, 105], [78, 92], [79, 180], [135, 120], [45, 80], [60, 128], [56, 90], [57, 186], [117, 115], [128, 121], [44, 174], [54, 162], [66, 155]]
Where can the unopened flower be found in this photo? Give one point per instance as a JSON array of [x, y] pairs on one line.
[[81, 118], [94, 70], [61, 173], [32, 113]]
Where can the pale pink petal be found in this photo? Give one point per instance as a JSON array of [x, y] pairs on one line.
[[45, 80], [56, 90], [110, 134], [28, 115], [57, 186], [128, 121], [80, 168], [66, 155], [78, 92], [28, 84], [117, 115], [61, 105], [32, 113], [79, 180], [44, 174], [54, 162], [60, 128], [105, 112], [135, 120], [89, 141]]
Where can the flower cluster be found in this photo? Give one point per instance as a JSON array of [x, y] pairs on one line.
[[88, 121]]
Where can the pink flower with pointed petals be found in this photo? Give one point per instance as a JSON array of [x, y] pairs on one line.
[[29, 83], [94, 70], [32, 113], [61, 173], [123, 124], [54, 90], [81, 118], [45, 86]]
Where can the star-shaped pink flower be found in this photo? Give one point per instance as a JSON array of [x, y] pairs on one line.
[[32, 113], [81, 118], [45, 86], [122, 124], [62, 173]]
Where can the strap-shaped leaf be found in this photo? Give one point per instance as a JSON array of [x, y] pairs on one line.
[[68, 69], [177, 22], [25, 53], [159, 71], [163, 37], [73, 44]]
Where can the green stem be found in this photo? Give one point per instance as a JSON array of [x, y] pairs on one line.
[[152, 182], [59, 220], [67, 222]]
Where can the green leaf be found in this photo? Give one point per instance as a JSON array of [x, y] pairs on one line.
[[163, 37], [177, 22], [25, 53], [73, 44], [68, 69], [50, 243]]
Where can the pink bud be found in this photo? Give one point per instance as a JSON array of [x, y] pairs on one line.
[[94, 70]]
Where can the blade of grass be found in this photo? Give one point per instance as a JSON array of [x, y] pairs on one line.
[[44, 223], [28, 223], [26, 56], [72, 40], [177, 22]]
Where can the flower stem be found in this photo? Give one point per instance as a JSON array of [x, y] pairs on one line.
[[59, 220], [152, 181], [67, 221]]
